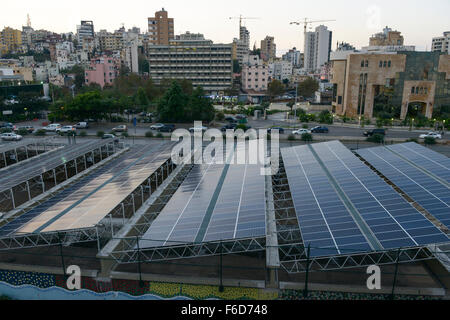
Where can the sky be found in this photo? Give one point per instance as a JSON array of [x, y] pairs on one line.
[[356, 20]]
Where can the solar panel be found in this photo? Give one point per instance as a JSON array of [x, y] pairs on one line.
[[215, 202], [325, 223], [433, 195], [435, 163], [394, 221]]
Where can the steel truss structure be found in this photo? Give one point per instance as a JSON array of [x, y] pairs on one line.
[[40, 181], [302, 263], [102, 232], [183, 251]]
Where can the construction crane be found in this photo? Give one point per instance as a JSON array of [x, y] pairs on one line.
[[307, 22], [243, 18]]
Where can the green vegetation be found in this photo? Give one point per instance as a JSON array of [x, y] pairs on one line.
[[326, 117], [83, 134], [308, 87], [307, 137], [376, 138], [430, 141], [40, 132], [291, 137], [100, 134], [149, 134]]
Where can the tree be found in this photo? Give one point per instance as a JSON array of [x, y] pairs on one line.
[[90, 105], [326, 117], [308, 87], [200, 108], [171, 107], [275, 88], [187, 86], [141, 99]]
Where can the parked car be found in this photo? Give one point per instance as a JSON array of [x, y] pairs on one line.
[[157, 126], [167, 128], [110, 136], [230, 126], [320, 130], [301, 131], [10, 137], [52, 127], [375, 131], [66, 129], [434, 135], [231, 119], [192, 130], [280, 130], [121, 128], [29, 129], [7, 125], [82, 125], [241, 116]]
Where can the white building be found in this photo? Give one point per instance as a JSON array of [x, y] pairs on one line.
[[280, 70], [255, 74], [441, 44], [317, 48], [251, 60], [293, 56], [130, 51]]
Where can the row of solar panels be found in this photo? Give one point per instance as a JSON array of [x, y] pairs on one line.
[[215, 202], [343, 206], [87, 202]]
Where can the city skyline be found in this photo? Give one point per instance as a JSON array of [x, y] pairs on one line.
[[367, 17]]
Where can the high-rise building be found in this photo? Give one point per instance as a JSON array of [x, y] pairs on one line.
[[161, 28], [441, 44], [85, 31], [268, 48], [11, 39], [244, 36], [317, 48], [194, 58]]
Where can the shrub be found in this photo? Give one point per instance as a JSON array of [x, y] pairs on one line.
[[305, 126], [159, 135], [220, 116], [83, 134], [291, 137], [149, 134], [125, 134], [307, 137], [430, 141], [413, 140], [5, 130], [23, 132], [100, 134], [40, 132], [377, 138]]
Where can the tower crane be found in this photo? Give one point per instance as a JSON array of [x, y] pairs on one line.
[[243, 18]]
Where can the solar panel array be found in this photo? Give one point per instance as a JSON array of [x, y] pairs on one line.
[[435, 163], [324, 221], [87, 202], [413, 178], [215, 202], [377, 217]]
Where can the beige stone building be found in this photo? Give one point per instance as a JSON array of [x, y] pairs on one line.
[[268, 48], [387, 38], [412, 80], [161, 28]]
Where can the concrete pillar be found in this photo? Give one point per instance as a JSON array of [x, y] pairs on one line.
[[404, 111], [29, 191], [428, 111]]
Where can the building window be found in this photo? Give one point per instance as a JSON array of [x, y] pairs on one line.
[[389, 64], [413, 90], [362, 64], [381, 64], [384, 64], [367, 63]]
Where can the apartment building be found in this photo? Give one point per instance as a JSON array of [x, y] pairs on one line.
[[102, 70], [85, 31], [161, 28], [419, 80], [317, 48], [294, 56], [280, 70], [387, 38], [268, 49], [11, 40], [255, 74], [194, 58], [441, 44]]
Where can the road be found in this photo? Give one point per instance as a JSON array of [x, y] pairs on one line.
[[276, 120]]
